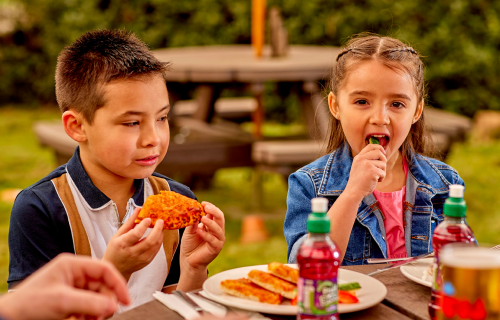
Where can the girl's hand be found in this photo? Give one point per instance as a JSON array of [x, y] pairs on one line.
[[368, 168], [202, 243]]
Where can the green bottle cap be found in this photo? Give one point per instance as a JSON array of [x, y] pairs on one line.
[[455, 205], [318, 221]]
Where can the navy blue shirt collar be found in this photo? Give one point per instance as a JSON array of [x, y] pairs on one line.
[[94, 197]]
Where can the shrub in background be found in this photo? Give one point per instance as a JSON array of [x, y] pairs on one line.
[[459, 39]]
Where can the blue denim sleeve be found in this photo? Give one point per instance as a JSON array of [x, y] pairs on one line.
[[300, 192]]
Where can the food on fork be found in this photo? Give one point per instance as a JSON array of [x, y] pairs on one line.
[[244, 288], [273, 283], [283, 271], [176, 210]]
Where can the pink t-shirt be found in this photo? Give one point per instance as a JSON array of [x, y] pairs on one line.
[[391, 205]]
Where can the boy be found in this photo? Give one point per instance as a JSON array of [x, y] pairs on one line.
[[114, 100]]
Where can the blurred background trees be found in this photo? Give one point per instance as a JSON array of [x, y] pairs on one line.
[[460, 40]]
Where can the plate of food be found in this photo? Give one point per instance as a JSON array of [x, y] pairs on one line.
[[238, 288], [419, 271]]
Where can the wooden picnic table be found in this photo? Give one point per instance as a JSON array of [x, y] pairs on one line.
[[405, 300], [211, 69]]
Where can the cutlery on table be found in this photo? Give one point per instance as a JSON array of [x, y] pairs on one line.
[[190, 301], [384, 260], [401, 263]]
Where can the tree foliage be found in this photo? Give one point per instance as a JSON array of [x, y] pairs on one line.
[[459, 39]]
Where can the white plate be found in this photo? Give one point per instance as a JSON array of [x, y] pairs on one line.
[[418, 271], [372, 292]]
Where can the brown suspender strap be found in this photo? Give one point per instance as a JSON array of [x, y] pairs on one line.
[[80, 239], [170, 237]]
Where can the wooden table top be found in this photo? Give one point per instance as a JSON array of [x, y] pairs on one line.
[[405, 300], [236, 63]]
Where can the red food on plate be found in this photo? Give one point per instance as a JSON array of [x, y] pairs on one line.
[[347, 297]]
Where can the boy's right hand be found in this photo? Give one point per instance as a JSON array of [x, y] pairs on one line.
[[368, 168], [127, 252]]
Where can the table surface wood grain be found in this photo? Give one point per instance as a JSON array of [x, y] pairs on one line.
[[237, 63]]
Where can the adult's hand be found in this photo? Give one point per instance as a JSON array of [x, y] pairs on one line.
[[66, 286]]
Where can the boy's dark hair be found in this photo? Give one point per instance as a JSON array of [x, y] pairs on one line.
[[95, 59], [395, 55]]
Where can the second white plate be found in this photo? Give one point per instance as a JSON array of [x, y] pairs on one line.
[[372, 292], [418, 271]]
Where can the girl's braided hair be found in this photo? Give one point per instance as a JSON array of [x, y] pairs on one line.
[[395, 55]]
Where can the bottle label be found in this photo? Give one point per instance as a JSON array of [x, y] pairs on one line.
[[317, 297]]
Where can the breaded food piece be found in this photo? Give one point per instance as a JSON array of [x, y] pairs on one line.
[[244, 288], [176, 210], [273, 283], [283, 271]]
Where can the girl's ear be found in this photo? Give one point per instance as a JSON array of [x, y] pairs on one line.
[[418, 112], [333, 105], [73, 125]]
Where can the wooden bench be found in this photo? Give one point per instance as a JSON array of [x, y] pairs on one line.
[[232, 109]]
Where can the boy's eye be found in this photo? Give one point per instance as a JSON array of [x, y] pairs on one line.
[[397, 105], [131, 124], [162, 119], [361, 101]]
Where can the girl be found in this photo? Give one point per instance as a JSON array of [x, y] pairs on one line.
[[385, 199]]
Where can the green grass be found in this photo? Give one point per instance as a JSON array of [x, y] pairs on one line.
[[479, 167], [23, 162]]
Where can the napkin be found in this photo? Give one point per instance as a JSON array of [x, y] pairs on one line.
[[185, 309], [175, 303], [250, 314]]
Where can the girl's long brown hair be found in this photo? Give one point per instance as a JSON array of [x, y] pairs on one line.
[[395, 55]]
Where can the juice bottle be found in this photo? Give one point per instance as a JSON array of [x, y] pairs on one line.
[[319, 260], [454, 228]]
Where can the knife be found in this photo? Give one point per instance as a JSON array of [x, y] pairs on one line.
[[190, 301], [400, 263]]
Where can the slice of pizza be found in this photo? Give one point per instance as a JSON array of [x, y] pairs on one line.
[[273, 283], [244, 288], [283, 271], [176, 210]]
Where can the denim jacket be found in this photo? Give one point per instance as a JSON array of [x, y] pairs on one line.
[[426, 190]]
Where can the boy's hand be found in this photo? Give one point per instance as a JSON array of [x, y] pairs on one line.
[[127, 251], [368, 168], [202, 243]]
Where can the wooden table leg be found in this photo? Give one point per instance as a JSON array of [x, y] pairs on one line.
[[315, 110], [206, 95], [258, 115]]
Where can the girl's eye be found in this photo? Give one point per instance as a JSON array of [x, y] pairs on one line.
[[361, 101], [397, 105], [163, 119], [131, 124]]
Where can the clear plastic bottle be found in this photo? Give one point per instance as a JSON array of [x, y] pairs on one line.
[[319, 260], [454, 228]]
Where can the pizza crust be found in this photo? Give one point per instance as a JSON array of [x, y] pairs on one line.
[[244, 288], [273, 283], [176, 211], [284, 271]]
